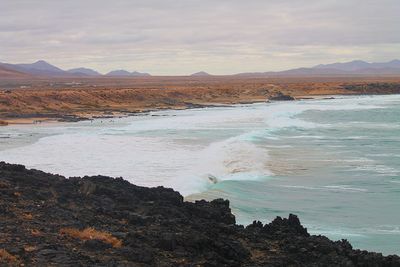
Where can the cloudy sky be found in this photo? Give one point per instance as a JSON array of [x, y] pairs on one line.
[[168, 37]]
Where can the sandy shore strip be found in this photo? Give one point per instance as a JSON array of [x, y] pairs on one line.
[[41, 103]]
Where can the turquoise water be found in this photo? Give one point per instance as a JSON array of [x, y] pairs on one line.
[[335, 163]]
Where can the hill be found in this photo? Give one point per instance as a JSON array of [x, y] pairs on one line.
[[201, 74], [359, 65], [42, 68], [83, 72], [124, 73], [347, 69], [352, 68], [39, 68], [11, 74]]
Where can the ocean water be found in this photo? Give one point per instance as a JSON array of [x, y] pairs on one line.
[[334, 162]]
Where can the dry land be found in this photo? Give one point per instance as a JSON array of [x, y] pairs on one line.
[[72, 99]]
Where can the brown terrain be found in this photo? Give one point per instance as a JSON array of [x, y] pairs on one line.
[[28, 100], [7, 73]]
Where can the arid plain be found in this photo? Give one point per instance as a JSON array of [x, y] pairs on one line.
[[29, 100]]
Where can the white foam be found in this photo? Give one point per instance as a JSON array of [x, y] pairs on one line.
[[359, 232], [178, 149], [335, 233], [148, 161], [387, 229], [345, 188], [333, 188], [379, 168], [235, 159]]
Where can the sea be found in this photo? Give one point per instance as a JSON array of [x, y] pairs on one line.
[[333, 162]]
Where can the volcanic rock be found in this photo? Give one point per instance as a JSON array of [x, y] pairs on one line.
[[48, 220]]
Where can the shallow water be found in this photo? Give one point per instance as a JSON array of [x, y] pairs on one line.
[[335, 163]]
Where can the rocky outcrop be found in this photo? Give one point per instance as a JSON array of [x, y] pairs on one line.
[[47, 220], [374, 88], [281, 97]]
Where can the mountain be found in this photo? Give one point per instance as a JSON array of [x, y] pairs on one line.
[[352, 68], [201, 74], [358, 65], [139, 74], [124, 73], [348, 66], [83, 72], [311, 71], [9, 73], [300, 72], [40, 68], [41, 65], [118, 73], [391, 64], [43, 68]]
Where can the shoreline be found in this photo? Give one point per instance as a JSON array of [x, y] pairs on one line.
[[42, 102], [49, 219], [106, 114], [261, 105]]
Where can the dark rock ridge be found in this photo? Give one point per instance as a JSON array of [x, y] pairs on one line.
[[147, 227], [374, 88], [281, 97]]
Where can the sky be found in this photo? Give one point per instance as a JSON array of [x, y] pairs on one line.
[[179, 37]]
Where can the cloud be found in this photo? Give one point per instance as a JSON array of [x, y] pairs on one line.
[[183, 36]]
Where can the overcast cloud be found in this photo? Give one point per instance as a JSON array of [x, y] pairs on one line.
[[183, 36]]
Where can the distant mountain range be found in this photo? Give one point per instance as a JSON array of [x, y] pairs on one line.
[[40, 67], [43, 69], [124, 73], [356, 67]]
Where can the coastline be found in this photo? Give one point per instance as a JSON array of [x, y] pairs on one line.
[[120, 98], [48, 219], [106, 114], [367, 99]]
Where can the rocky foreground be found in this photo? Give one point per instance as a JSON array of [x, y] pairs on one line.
[[48, 220]]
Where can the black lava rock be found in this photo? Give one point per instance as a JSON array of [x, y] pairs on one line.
[[139, 226], [281, 97]]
